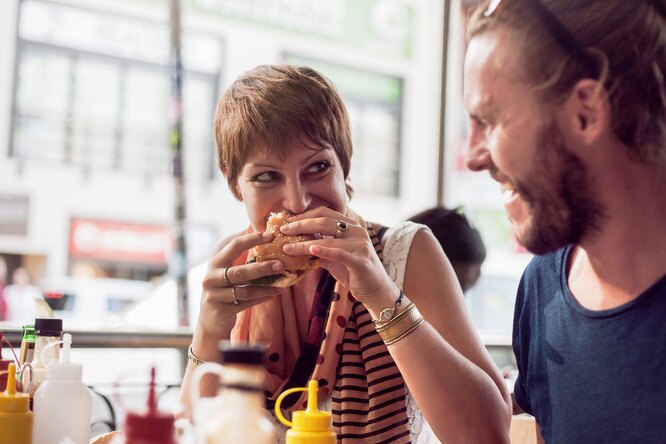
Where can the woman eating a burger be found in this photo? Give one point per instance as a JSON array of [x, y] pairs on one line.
[[375, 315]]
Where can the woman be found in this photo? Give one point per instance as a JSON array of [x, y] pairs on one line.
[[284, 143]]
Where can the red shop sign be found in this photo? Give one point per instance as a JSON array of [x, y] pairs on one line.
[[121, 242]]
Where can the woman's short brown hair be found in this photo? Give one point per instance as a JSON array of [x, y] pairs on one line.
[[272, 105], [626, 38]]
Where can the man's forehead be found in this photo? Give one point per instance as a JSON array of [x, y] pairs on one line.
[[491, 64]]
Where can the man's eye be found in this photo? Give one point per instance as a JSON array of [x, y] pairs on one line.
[[318, 167], [478, 122], [266, 176]]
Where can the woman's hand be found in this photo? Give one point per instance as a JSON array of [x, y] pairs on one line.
[[224, 291], [347, 253]]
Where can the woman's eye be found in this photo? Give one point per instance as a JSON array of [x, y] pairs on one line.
[[318, 167], [266, 176]]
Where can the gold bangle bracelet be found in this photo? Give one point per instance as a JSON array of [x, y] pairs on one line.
[[406, 312], [402, 325], [194, 359]]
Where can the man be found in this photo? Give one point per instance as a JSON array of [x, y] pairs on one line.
[[567, 105], [460, 241]]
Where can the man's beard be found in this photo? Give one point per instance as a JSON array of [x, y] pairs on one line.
[[562, 207]]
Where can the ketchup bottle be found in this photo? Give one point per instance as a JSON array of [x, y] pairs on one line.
[[149, 427]]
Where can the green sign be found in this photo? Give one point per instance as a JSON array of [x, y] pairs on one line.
[[356, 83], [383, 27]]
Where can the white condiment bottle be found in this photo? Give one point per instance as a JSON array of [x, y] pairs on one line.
[[240, 415], [62, 404]]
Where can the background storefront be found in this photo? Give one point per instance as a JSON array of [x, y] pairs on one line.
[[84, 131]]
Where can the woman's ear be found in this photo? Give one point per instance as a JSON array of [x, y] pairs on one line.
[[589, 110], [235, 189]]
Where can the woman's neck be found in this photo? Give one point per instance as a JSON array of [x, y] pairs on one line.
[[303, 294]]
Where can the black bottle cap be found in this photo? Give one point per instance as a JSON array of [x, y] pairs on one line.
[[48, 327], [241, 353]]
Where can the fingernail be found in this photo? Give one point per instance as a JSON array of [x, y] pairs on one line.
[[277, 266], [288, 248], [284, 228]]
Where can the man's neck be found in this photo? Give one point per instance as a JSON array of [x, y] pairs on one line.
[[628, 254]]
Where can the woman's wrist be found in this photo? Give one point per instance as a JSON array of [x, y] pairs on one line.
[[205, 344], [387, 300], [401, 325]]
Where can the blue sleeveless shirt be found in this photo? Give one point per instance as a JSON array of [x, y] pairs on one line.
[[589, 376]]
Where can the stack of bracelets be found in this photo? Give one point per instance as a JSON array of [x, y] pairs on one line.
[[401, 325]]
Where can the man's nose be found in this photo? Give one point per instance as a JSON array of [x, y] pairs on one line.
[[296, 197], [478, 158]]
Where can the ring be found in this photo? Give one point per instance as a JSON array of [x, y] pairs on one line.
[[342, 226], [226, 278], [233, 293]]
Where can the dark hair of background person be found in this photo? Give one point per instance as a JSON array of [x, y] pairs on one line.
[[461, 242]]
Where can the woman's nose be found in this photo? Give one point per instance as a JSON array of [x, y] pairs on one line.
[[296, 197], [478, 157]]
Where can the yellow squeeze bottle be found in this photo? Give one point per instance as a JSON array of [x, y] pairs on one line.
[[309, 426], [15, 416]]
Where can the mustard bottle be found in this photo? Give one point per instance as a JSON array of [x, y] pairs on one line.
[[309, 426], [15, 416]]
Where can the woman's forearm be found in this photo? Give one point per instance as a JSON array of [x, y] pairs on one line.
[[462, 403], [205, 347]]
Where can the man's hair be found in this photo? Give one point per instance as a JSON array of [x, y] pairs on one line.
[[270, 107], [626, 39], [459, 240]]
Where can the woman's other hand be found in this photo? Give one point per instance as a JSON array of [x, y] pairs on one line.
[[225, 293]]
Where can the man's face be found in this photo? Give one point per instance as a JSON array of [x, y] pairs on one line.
[[548, 190]]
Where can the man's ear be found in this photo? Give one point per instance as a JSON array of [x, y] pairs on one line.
[[589, 111]]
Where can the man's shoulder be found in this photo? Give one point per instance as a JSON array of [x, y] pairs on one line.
[[541, 280]]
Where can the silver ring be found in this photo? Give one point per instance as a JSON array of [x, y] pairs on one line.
[[226, 278], [233, 293], [342, 226]]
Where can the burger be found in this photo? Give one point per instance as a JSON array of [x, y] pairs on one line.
[[294, 266]]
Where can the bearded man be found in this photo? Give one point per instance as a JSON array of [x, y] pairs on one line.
[[567, 105]]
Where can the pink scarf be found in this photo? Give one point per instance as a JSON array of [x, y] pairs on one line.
[[353, 365]]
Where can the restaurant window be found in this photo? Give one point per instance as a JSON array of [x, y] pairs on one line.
[[374, 104], [105, 103]]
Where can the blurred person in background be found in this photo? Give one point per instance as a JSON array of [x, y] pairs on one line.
[[24, 301], [567, 108], [284, 143], [460, 241]]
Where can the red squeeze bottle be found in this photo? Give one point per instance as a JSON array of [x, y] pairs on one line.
[[4, 366], [151, 427]]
